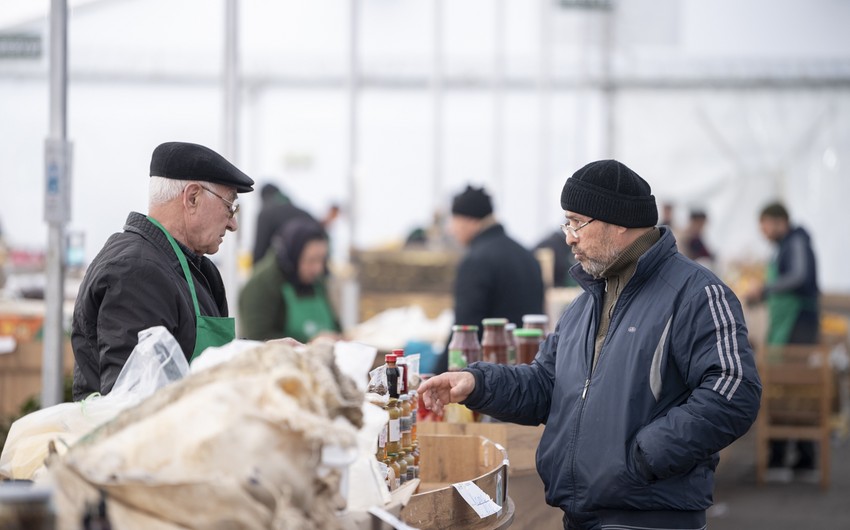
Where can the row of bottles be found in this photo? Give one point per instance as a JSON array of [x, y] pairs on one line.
[[501, 342], [398, 446]]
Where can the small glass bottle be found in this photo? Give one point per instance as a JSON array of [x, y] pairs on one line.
[[392, 460], [416, 459], [402, 467], [494, 346], [394, 429], [510, 327], [464, 347], [414, 413], [406, 436], [527, 344], [403, 377], [410, 460]]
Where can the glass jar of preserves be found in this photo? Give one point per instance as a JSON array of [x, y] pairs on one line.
[[540, 322], [464, 347], [527, 344], [494, 344], [510, 327]]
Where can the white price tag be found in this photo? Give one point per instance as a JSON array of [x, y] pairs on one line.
[[477, 499]]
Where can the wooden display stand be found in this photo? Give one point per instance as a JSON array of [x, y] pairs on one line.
[[446, 460], [520, 442]]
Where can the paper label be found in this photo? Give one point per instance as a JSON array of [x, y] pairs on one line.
[[395, 430], [477, 499]]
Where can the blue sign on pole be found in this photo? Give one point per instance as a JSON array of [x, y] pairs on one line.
[[57, 184]]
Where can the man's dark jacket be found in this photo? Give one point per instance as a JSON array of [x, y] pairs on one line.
[[498, 278], [136, 282]]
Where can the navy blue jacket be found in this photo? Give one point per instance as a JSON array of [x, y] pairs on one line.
[[675, 383]]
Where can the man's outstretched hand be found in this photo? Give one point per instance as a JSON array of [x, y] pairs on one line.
[[449, 387]]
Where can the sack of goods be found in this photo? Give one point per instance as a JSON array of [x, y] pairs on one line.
[[238, 445]]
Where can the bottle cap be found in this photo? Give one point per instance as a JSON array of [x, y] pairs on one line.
[[464, 327], [398, 353], [494, 321], [390, 358]]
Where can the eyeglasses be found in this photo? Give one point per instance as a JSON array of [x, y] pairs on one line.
[[231, 205], [569, 230]]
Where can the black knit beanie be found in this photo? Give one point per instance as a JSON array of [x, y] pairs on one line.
[[609, 191], [473, 202]]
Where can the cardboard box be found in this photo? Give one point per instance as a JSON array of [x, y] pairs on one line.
[[446, 460]]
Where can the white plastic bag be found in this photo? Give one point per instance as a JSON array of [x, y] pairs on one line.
[[156, 361]]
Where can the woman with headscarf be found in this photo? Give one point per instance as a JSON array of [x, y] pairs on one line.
[[286, 294]]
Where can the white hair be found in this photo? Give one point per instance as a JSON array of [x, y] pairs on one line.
[[161, 190]]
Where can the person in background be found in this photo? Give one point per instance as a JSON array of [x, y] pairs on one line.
[[497, 276], [647, 376], [155, 272], [276, 210], [286, 293], [563, 258], [693, 245], [792, 297]]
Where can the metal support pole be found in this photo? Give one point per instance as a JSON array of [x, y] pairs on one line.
[[544, 97], [231, 136], [437, 107], [353, 116], [498, 98], [57, 207]]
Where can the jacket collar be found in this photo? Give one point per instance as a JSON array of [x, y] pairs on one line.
[[139, 224], [646, 264]]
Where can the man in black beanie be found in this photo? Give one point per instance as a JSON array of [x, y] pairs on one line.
[[497, 277], [648, 374], [155, 272]]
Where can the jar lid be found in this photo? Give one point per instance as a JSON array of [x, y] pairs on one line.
[[510, 326], [398, 353], [529, 332], [389, 358], [464, 327], [494, 321], [535, 319]]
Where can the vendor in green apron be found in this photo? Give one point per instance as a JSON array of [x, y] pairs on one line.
[[155, 272], [286, 294], [791, 294]]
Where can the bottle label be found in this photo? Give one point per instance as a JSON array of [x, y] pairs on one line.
[[457, 360], [383, 469], [382, 438], [411, 472], [405, 423], [511, 355], [395, 430]]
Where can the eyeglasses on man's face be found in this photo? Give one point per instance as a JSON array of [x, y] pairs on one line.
[[569, 230], [231, 205]]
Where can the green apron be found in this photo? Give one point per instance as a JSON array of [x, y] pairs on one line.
[[307, 316], [782, 311], [209, 331]]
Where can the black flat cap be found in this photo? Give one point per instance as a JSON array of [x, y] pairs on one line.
[[186, 161]]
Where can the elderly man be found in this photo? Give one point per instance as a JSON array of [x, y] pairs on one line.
[[155, 273], [647, 376]]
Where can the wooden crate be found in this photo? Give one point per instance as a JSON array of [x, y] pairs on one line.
[[20, 374], [446, 460]]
